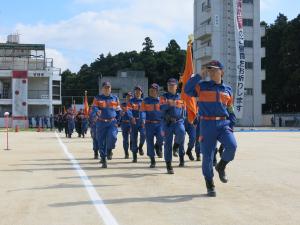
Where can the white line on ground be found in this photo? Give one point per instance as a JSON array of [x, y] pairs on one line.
[[103, 212]]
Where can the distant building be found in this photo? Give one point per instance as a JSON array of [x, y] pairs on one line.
[[29, 84], [125, 81], [214, 32]]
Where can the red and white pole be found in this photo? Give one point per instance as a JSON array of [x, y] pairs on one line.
[[6, 116]]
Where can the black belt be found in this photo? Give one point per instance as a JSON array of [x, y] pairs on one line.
[[153, 121], [106, 120]]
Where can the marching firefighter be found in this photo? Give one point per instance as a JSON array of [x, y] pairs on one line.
[[106, 107], [70, 123], [78, 122], [217, 118], [173, 114], [126, 116], [137, 123], [151, 107]]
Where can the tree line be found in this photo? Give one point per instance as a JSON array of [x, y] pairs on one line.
[[282, 64]]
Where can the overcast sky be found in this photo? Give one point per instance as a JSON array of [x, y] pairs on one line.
[[77, 31]]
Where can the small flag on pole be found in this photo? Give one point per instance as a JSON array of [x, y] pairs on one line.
[[86, 104], [74, 107]]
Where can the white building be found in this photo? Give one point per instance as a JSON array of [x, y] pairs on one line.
[[215, 39], [29, 84]]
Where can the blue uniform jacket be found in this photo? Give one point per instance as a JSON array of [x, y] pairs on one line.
[[214, 100], [126, 114], [151, 107], [135, 105], [109, 106], [172, 106]]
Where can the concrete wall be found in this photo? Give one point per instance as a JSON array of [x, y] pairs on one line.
[[222, 40], [126, 81]]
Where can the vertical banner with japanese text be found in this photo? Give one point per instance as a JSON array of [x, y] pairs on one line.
[[240, 59]]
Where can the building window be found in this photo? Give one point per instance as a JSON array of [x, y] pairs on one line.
[[248, 44], [203, 6], [248, 1], [56, 82], [248, 91], [206, 5], [249, 65], [248, 22]]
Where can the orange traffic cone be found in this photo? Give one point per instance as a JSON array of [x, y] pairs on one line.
[[17, 128]]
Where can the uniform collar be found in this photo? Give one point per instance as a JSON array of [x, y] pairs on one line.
[[213, 83]]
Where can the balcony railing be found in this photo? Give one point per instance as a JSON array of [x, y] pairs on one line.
[[38, 94], [203, 31]]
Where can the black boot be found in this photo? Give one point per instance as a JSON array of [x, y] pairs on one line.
[[175, 149], [109, 154], [141, 151], [169, 168], [126, 154], [210, 188], [221, 149], [198, 157], [181, 161], [95, 155], [104, 163], [134, 154], [220, 168], [153, 163], [190, 154]]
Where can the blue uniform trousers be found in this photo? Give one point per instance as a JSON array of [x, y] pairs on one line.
[[135, 129], [106, 136], [198, 141], [94, 137], [191, 131], [153, 130], [211, 132], [178, 130], [125, 134]]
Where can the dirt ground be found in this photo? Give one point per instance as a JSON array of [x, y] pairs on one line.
[[41, 184]]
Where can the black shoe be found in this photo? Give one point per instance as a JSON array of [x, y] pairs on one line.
[[160, 154], [169, 168], [104, 163], [126, 155], [210, 188], [198, 157], [141, 151], [110, 154], [153, 163], [134, 155], [181, 161], [175, 149], [190, 154], [220, 168], [158, 150], [96, 155]]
